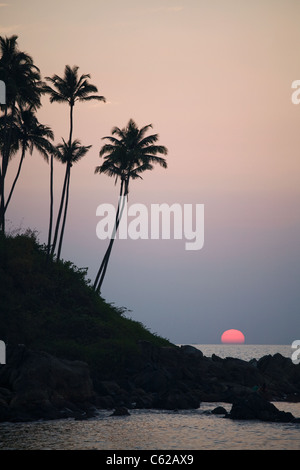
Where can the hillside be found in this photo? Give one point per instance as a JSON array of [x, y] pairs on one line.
[[50, 306], [50, 318]]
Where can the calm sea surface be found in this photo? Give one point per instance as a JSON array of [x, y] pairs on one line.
[[163, 430]]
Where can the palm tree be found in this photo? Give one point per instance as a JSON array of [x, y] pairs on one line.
[[51, 205], [31, 135], [23, 87], [8, 122], [126, 157], [21, 76], [68, 155], [69, 89]]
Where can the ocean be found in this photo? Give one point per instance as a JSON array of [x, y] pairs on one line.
[[163, 430]]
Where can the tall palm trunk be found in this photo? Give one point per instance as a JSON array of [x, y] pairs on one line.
[[71, 123], [65, 186], [104, 264], [2, 203], [2, 194], [96, 286], [5, 159], [16, 177], [65, 213], [59, 213], [51, 207]]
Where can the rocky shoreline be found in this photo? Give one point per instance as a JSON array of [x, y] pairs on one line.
[[35, 385]]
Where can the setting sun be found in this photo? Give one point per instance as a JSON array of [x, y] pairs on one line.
[[233, 337]]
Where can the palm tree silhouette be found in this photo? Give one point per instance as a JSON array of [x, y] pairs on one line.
[[68, 155], [23, 88], [126, 157], [51, 206], [31, 135], [69, 89]]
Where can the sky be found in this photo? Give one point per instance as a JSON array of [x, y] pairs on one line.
[[214, 78]]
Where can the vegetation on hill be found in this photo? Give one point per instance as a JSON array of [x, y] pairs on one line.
[[51, 306]]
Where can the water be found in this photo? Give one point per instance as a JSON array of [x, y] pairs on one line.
[[163, 430], [244, 351]]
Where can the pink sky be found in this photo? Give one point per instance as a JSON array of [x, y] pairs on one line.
[[214, 78]]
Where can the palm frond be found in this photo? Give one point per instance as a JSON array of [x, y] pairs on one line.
[[143, 131], [93, 97], [128, 152], [155, 149], [71, 153], [113, 140], [154, 159], [149, 140]]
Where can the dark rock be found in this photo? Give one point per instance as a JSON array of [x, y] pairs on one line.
[[36, 385], [121, 411], [219, 410], [280, 374], [143, 400], [41, 386], [216, 358], [152, 380], [177, 400], [107, 402], [255, 406], [4, 412], [108, 388], [191, 351]]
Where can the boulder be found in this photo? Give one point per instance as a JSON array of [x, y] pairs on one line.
[[191, 351], [255, 406], [120, 411], [219, 410], [153, 380], [281, 375], [35, 385], [177, 400]]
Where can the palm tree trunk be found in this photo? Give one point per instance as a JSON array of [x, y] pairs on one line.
[[59, 212], [16, 178], [5, 158], [71, 124], [95, 286], [108, 252], [2, 205], [103, 268], [64, 189], [8, 142], [65, 215], [51, 207]]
